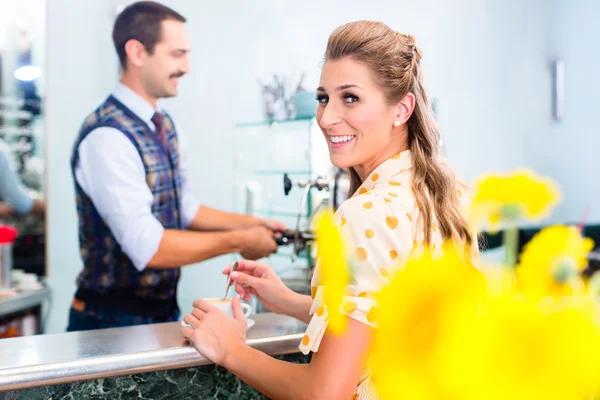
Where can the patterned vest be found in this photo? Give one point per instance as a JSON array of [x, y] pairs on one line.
[[107, 270]]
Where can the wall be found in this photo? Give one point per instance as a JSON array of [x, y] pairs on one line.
[[80, 70], [486, 63], [573, 144]]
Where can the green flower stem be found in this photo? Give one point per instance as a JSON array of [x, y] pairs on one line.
[[511, 244]]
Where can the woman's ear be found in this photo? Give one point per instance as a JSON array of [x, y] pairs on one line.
[[405, 109]]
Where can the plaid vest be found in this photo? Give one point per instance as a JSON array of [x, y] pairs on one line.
[[106, 269]]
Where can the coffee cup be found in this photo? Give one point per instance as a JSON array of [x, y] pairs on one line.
[[225, 307]]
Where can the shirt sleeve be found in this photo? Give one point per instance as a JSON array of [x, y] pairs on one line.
[[11, 190], [379, 236], [188, 205], [111, 173]]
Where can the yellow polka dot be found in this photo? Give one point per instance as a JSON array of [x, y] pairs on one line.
[[415, 244], [397, 156], [305, 340], [391, 222], [433, 227], [383, 272], [374, 177], [393, 194], [409, 217], [320, 311], [362, 190], [362, 294], [369, 233], [433, 247], [343, 221], [424, 243], [368, 205], [394, 183], [388, 200], [459, 193], [372, 315], [360, 254], [402, 170], [393, 254], [350, 307], [313, 291]]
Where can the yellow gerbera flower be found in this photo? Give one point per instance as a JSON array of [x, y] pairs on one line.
[[523, 349], [592, 285], [510, 198], [551, 263], [331, 254], [419, 309]]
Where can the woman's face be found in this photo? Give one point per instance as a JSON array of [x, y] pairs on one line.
[[356, 119]]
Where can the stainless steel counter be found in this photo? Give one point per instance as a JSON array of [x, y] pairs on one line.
[[23, 301], [74, 356]]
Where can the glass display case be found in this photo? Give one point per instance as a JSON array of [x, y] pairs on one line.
[[263, 153]]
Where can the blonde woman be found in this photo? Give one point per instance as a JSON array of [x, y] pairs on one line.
[[376, 117]]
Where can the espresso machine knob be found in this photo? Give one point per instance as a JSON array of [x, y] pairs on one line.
[[287, 184]]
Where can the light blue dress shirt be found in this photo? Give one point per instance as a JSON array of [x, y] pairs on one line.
[[111, 173], [12, 192]]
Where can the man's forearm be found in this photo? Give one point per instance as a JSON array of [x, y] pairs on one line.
[[180, 248], [6, 210], [38, 208], [210, 219]]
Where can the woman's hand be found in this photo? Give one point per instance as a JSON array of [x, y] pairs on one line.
[[214, 334], [258, 279]]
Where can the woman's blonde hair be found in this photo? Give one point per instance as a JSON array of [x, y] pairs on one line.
[[395, 59]]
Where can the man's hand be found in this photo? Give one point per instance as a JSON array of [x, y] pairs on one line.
[[258, 242], [6, 210], [273, 225]]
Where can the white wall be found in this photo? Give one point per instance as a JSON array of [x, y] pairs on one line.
[[486, 63], [80, 70], [575, 142]]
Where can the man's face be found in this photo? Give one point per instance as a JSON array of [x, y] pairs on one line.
[[168, 62]]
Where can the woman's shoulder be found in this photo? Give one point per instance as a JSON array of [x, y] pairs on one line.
[[384, 197], [377, 213]]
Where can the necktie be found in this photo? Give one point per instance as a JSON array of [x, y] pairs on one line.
[[158, 120]]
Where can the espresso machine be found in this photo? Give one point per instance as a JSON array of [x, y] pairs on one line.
[[322, 192]]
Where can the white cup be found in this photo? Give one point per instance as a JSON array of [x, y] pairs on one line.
[[225, 306]]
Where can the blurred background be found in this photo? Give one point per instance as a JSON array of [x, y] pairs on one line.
[[513, 84]]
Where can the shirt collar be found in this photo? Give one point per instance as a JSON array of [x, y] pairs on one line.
[[386, 171], [135, 103]]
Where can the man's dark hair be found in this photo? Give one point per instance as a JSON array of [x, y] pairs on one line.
[[141, 21]]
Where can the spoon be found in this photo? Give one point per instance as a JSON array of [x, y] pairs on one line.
[[233, 268]]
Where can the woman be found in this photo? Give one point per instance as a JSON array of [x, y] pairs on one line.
[[376, 118]]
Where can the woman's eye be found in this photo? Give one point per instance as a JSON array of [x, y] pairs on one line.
[[350, 98], [322, 98]]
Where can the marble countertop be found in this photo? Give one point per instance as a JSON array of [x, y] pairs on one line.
[[43, 360]]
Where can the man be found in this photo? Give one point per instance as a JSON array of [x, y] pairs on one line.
[[15, 200], [138, 222]]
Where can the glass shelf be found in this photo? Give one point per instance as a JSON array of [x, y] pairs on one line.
[[274, 213], [271, 123], [302, 255], [280, 172]]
